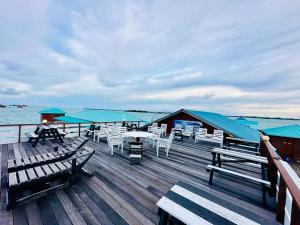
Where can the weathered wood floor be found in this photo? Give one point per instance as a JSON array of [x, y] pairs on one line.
[[120, 193]]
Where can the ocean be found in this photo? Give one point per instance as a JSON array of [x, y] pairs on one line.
[[30, 115]]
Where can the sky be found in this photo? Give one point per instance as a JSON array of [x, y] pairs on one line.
[[227, 56]]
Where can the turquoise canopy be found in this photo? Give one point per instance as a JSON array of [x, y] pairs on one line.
[[290, 131], [69, 119], [102, 116]]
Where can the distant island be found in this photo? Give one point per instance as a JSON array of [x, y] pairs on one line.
[[266, 117]]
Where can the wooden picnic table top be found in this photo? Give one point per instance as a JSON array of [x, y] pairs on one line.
[[253, 158]]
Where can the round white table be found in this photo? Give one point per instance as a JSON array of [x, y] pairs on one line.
[[137, 135]]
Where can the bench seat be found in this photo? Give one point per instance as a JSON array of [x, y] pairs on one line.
[[187, 204], [238, 175]]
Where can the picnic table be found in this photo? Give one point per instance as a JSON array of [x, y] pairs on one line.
[[220, 156], [44, 132]]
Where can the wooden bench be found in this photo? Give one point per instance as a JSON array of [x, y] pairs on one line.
[[42, 179], [264, 183], [35, 160], [238, 157], [31, 136], [186, 204]]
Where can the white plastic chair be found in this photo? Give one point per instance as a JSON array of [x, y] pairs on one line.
[[163, 128], [165, 144], [218, 137], [114, 140], [178, 127], [188, 131], [101, 133], [200, 134]]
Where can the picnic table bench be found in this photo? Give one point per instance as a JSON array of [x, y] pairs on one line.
[[45, 132], [242, 145], [184, 203], [238, 157]]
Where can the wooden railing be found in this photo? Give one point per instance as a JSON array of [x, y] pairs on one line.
[[13, 133], [285, 185]]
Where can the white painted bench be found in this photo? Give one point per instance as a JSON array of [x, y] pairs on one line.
[[190, 205]]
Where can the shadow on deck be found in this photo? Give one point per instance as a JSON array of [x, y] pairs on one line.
[[120, 193]]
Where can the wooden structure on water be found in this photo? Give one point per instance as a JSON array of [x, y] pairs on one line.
[[286, 140], [51, 114]]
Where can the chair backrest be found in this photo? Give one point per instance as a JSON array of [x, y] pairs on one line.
[[164, 126], [178, 127], [218, 133], [189, 128], [136, 147], [156, 131], [150, 128], [154, 124], [122, 130], [202, 131]]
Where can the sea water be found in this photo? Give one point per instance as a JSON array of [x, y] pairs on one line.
[[25, 115], [31, 115]]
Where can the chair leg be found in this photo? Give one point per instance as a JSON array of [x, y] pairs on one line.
[[157, 151]]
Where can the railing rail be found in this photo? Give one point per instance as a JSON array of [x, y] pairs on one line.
[[13, 133], [285, 185]]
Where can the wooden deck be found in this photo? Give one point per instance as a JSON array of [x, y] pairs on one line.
[[120, 193]]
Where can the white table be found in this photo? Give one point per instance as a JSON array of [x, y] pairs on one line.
[[137, 135]]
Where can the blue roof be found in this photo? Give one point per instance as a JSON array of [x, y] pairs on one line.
[[108, 116], [69, 119], [250, 123], [290, 131], [52, 111], [228, 125]]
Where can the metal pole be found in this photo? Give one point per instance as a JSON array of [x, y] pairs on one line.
[[19, 138], [79, 130]]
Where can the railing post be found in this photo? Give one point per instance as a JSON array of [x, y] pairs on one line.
[[295, 217], [281, 201], [19, 136], [79, 130]]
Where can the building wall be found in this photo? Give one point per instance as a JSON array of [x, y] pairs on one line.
[[184, 116], [287, 147], [50, 117]]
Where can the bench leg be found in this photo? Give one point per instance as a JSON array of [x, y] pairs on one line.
[[164, 216], [219, 160], [264, 196], [11, 199], [211, 177]]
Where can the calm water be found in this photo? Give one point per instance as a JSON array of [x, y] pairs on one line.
[[30, 114], [13, 115]]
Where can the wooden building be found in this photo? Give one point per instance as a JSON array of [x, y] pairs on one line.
[[286, 140], [51, 114], [210, 121]]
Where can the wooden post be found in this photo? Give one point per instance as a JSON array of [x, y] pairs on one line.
[[295, 217], [281, 201], [73, 172], [19, 136], [79, 130]]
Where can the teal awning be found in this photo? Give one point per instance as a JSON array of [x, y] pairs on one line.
[[69, 119], [52, 111], [290, 131], [105, 116]]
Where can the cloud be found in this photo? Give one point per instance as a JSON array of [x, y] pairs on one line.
[[160, 55]]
